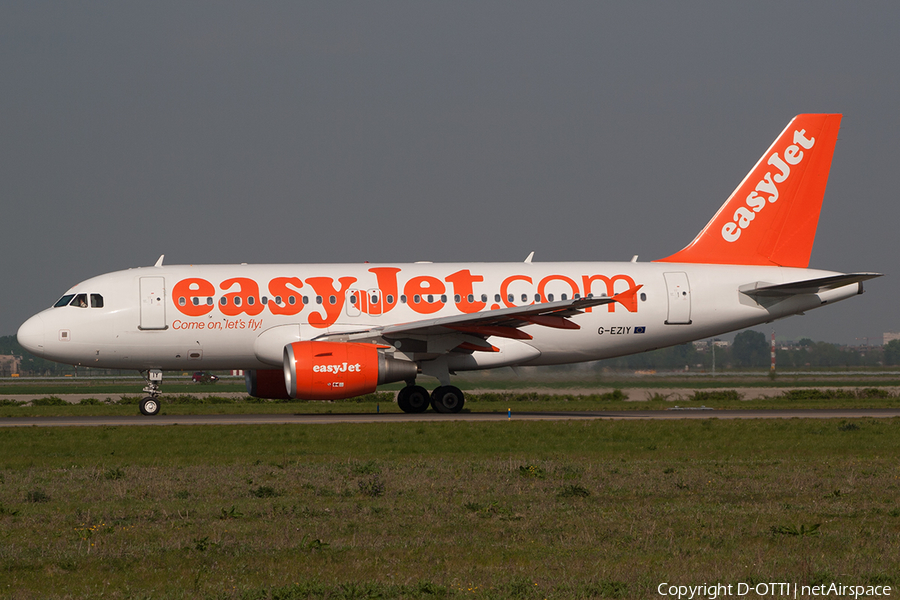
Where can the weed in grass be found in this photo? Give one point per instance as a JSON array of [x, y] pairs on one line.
[[715, 396], [37, 495], [8, 512], [49, 401], [791, 530], [895, 512], [572, 471], [312, 545], [182, 494], [264, 491], [668, 470], [532, 472], [372, 487], [231, 513], [202, 544], [366, 468], [113, 474], [573, 490], [8, 402], [89, 402], [845, 426]]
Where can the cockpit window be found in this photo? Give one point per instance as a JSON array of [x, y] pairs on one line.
[[64, 301], [80, 301], [96, 301]]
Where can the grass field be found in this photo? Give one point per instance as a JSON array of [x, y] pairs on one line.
[[446, 510], [497, 402]]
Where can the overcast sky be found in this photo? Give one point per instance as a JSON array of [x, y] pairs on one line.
[[459, 131]]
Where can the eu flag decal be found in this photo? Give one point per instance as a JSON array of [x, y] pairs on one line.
[[640, 330]]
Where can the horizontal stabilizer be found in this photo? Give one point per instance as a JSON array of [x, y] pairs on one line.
[[760, 289]]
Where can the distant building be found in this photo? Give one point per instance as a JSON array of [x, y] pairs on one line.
[[888, 337], [9, 365]]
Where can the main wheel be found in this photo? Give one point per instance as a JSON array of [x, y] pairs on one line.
[[413, 399], [447, 399], [149, 406]]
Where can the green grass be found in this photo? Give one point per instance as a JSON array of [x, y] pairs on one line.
[[445, 509], [495, 402]]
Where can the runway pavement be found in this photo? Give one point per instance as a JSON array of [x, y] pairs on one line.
[[317, 419]]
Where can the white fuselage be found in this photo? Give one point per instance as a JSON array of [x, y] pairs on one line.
[[227, 317]]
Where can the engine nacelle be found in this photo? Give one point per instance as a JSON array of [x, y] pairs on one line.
[[335, 370], [266, 383]]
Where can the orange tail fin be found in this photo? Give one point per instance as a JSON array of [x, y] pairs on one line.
[[771, 218]]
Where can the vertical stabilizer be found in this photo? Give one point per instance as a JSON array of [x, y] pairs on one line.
[[771, 218]]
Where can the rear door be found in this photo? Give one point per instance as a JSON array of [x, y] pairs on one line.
[[679, 293], [153, 303]]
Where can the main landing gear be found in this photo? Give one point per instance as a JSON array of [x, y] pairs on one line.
[[149, 405], [444, 399]]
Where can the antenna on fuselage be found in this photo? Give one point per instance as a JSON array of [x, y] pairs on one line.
[[159, 262], [530, 256]]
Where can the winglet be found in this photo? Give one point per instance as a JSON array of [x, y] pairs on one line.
[[771, 218], [628, 298]]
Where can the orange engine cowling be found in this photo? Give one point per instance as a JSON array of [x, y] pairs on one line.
[[266, 383], [335, 370]]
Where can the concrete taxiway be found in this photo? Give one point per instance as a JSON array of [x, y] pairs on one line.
[[321, 419]]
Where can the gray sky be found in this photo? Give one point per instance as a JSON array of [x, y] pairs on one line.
[[458, 131]]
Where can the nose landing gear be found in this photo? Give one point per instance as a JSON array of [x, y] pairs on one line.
[[149, 405]]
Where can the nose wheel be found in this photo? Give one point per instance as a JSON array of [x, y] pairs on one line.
[[150, 405]]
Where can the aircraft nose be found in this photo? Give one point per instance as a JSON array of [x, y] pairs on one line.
[[31, 335]]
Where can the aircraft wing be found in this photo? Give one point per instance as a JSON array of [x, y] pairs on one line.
[[472, 330], [760, 289]]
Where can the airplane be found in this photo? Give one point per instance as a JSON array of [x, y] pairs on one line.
[[332, 331]]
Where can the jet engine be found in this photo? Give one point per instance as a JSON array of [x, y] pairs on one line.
[[266, 383], [335, 370]]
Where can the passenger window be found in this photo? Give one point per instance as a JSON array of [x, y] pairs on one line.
[[550, 297], [565, 296], [524, 297], [182, 301], [402, 298], [291, 300], [457, 298], [306, 300], [510, 298], [318, 299], [265, 300], [251, 301], [416, 298], [195, 301], [537, 297], [484, 298], [209, 301], [390, 298], [332, 299], [444, 298], [64, 301], [96, 301], [223, 301], [496, 297], [277, 299]]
